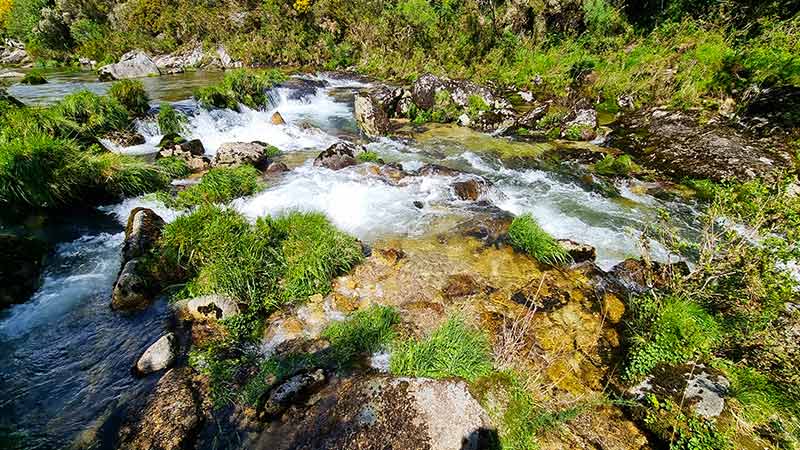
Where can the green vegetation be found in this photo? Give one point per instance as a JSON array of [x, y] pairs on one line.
[[368, 156], [34, 77], [611, 165], [242, 86], [219, 186], [453, 350], [174, 167], [526, 235], [170, 121], [363, 332], [270, 151], [131, 95], [92, 114]]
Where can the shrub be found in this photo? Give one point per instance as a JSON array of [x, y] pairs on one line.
[[526, 235], [220, 185], [131, 95], [363, 332], [240, 87], [170, 121], [93, 114], [452, 350], [314, 251], [668, 330]]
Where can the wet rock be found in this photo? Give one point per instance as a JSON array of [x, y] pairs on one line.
[[134, 288], [170, 140], [276, 168], [391, 256], [677, 144], [339, 155], [11, 74], [171, 418], [13, 53], [771, 110], [370, 116], [302, 88], [141, 233], [8, 98], [531, 118], [277, 119], [212, 307], [292, 391], [125, 138], [699, 389], [21, 262], [378, 412], [134, 64], [159, 356], [586, 117], [192, 152], [418, 204], [487, 224], [234, 154], [579, 252], [471, 189], [430, 170], [461, 285], [635, 276]]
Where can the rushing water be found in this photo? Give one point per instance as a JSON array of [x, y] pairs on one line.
[[65, 357]]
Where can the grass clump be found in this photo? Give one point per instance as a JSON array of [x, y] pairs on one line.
[[668, 330], [170, 121], [526, 235], [33, 78], [131, 95], [453, 350], [611, 165], [174, 167], [93, 114], [363, 332], [368, 157], [240, 86], [314, 251], [220, 185]]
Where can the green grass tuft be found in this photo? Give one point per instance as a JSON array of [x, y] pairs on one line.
[[453, 350], [131, 95], [33, 78], [171, 121], [526, 235], [174, 167], [241, 86], [368, 156], [363, 332], [622, 165], [220, 185], [93, 114]]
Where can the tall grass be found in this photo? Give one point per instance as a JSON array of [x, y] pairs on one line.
[[220, 185], [170, 121], [131, 95], [93, 114], [242, 86], [363, 332], [526, 235], [453, 350]]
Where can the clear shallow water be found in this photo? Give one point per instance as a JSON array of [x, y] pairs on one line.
[[65, 357]]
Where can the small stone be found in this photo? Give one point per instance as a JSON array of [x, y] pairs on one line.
[[159, 356], [461, 285], [277, 119], [276, 168], [579, 252], [470, 190], [338, 156], [291, 391]]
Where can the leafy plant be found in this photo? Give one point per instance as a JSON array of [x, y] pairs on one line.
[[131, 95], [368, 156], [240, 86], [526, 235]]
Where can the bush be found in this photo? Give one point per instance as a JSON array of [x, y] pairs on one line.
[[220, 185], [131, 95], [452, 350], [526, 235], [363, 332], [170, 121], [92, 114], [241, 86], [315, 252]]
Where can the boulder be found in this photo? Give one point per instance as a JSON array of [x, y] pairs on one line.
[[277, 119], [530, 119], [339, 155], [291, 391], [379, 412], [21, 263], [171, 418], [234, 154], [181, 59], [212, 307], [434, 170], [471, 189], [370, 116], [586, 117], [11, 74], [134, 288], [579, 252], [276, 168], [635, 276], [13, 53], [159, 356], [141, 233], [192, 152], [125, 138], [134, 64]]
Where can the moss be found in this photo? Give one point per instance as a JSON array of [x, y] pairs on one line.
[[131, 95], [526, 235], [368, 156], [611, 165], [33, 78]]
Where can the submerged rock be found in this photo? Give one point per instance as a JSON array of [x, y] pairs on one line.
[[141, 233], [158, 356], [234, 154], [291, 391], [339, 155], [470, 189], [21, 262], [171, 418], [134, 64], [635, 276], [125, 138], [379, 412], [276, 168]]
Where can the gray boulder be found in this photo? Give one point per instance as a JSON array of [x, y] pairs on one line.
[[339, 155], [133, 289], [379, 412], [291, 391], [134, 64], [234, 154], [159, 356], [141, 233], [370, 116]]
